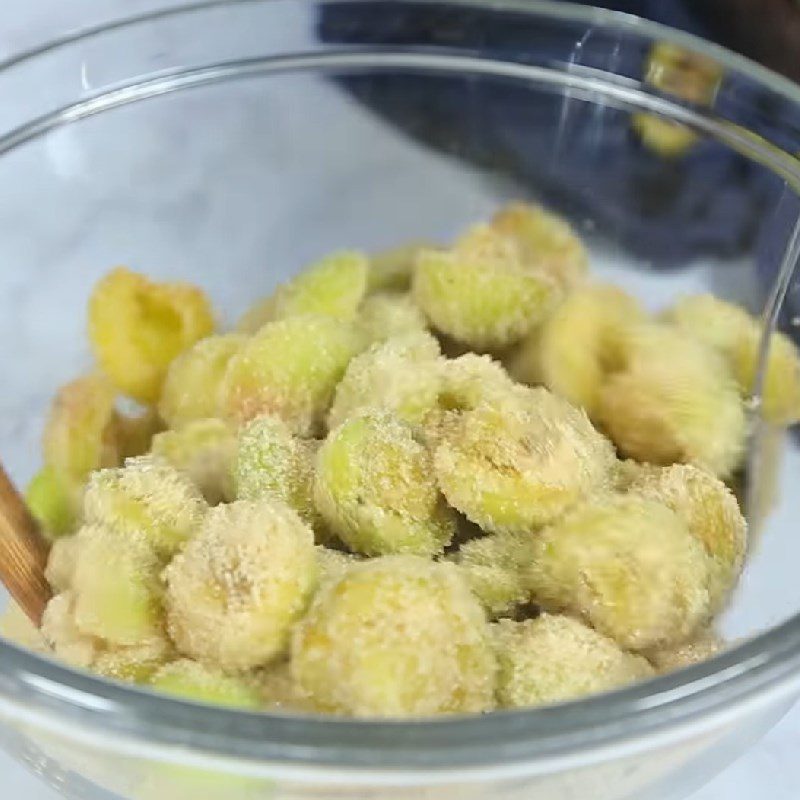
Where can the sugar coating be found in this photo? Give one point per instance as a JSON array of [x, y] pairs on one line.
[[148, 496], [290, 368], [137, 327], [388, 314], [698, 649], [61, 560], [79, 434], [715, 322], [191, 387], [629, 566], [471, 379], [205, 684], [464, 383], [61, 633], [235, 590], [546, 242], [374, 486], [279, 691], [555, 658], [55, 502], [391, 270], [674, 401], [271, 462], [578, 345], [737, 337], [711, 513], [628, 471], [515, 464], [136, 664], [398, 636], [17, 628], [205, 450], [495, 568], [519, 498], [479, 293], [333, 286], [400, 375], [333, 563], [117, 587]]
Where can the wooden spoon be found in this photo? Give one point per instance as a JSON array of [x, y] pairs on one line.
[[23, 553]]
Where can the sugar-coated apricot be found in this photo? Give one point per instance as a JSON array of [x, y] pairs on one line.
[[629, 566], [554, 658], [237, 587], [398, 636], [374, 486], [290, 368]]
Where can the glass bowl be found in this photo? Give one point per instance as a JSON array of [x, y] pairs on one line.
[[230, 143]]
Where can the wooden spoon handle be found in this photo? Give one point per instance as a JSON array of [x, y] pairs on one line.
[[23, 553]]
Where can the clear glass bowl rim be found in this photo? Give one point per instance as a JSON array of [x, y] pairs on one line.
[[37, 689]]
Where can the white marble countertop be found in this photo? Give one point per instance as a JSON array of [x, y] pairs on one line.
[[771, 767]]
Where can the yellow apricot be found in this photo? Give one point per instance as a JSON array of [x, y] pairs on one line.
[[629, 566], [711, 513], [135, 664], [400, 375], [391, 270], [333, 563], [290, 368], [271, 462], [191, 387], [465, 383], [374, 486], [665, 137], [674, 401], [471, 379], [135, 433], [67, 641], [205, 450], [737, 337], [279, 691], [80, 434], [546, 242], [780, 397], [61, 561], [204, 684], [333, 286], [479, 293], [515, 464], [146, 497], [388, 314], [686, 654], [495, 567], [117, 587], [555, 658], [137, 327], [398, 636], [54, 504], [237, 588], [578, 345]]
